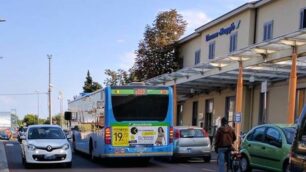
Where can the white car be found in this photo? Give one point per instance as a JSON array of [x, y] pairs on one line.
[[45, 144], [191, 141]]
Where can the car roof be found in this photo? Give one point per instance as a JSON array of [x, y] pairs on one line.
[[279, 125], [186, 127], [44, 125]]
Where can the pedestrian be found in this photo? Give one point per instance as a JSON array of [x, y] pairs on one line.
[[225, 138]]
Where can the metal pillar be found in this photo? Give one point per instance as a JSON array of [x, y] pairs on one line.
[[174, 104], [292, 87], [238, 109], [49, 90]]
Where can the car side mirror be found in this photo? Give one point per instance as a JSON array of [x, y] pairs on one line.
[[22, 137]]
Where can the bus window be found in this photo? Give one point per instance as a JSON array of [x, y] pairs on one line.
[[140, 108]]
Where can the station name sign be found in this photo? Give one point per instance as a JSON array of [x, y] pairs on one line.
[[223, 31]]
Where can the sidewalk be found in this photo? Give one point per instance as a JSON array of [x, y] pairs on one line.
[[3, 160]]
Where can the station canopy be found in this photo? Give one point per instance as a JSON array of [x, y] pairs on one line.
[[266, 61]]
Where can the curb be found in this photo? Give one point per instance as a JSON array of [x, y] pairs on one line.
[[3, 160]]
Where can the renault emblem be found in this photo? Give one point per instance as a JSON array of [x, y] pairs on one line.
[[49, 148]]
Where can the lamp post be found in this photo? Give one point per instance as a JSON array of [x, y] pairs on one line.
[[49, 90]]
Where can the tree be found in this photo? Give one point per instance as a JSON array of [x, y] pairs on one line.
[[119, 77], [30, 119], [89, 85], [156, 53]]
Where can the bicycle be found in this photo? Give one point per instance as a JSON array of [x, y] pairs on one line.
[[235, 163]]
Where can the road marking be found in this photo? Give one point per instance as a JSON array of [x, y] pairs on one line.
[[3, 160], [185, 165], [205, 169]]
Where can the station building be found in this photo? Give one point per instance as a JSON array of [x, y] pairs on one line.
[[263, 45]]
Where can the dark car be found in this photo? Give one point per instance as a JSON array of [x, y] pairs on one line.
[[21, 132], [4, 135], [298, 149]]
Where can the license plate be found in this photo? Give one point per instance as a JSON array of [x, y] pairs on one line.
[[189, 150], [49, 157]]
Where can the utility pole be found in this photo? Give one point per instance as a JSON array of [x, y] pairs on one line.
[[60, 97], [49, 90], [37, 92]]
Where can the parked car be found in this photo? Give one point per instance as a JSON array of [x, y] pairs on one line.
[[267, 147], [298, 149], [45, 144], [4, 135], [191, 142]]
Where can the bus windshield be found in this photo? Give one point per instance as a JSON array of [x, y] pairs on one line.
[[140, 107]]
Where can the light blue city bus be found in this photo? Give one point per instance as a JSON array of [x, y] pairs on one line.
[[124, 121]]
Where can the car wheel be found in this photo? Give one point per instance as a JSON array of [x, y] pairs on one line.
[[207, 158], [68, 165], [245, 165], [286, 167]]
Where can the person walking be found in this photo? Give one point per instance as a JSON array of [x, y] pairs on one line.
[[225, 137]]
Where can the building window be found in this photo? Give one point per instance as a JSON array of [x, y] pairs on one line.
[[197, 56], [233, 42], [303, 19], [211, 50], [268, 30]]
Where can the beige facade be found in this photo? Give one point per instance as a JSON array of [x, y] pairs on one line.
[[251, 18]]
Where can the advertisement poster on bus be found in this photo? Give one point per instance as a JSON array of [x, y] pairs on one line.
[[139, 135]]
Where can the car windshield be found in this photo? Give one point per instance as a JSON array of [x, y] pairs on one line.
[[191, 133], [45, 133], [289, 133]]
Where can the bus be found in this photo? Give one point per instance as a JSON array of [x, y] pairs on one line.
[[123, 121]]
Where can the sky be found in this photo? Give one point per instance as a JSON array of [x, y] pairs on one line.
[[80, 35]]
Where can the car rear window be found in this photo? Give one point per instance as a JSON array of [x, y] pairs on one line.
[[290, 134], [191, 133]]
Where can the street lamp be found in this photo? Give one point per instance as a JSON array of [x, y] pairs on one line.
[[2, 20], [49, 90]]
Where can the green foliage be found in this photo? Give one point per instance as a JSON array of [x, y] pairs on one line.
[[89, 85], [156, 53], [30, 119], [86, 127], [115, 78]]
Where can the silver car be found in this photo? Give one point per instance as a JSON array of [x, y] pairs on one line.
[[191, 142], [45, 144]]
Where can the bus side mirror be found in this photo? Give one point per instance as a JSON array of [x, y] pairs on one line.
[[68, 116]]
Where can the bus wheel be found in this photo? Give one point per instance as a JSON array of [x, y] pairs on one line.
[[73, 144], [91, 154]]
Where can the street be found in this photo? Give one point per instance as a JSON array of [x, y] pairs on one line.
[[82, 163]]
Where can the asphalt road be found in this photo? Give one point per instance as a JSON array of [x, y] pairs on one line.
[[82, 163]]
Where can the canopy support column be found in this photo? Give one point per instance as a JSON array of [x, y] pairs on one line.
[[292, 87], [238, 109]]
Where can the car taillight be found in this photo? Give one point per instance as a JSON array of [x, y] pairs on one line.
[[205, 133], [107, 136], [177, 134], [171, 135]]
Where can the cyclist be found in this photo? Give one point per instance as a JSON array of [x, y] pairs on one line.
[[225, 137]]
